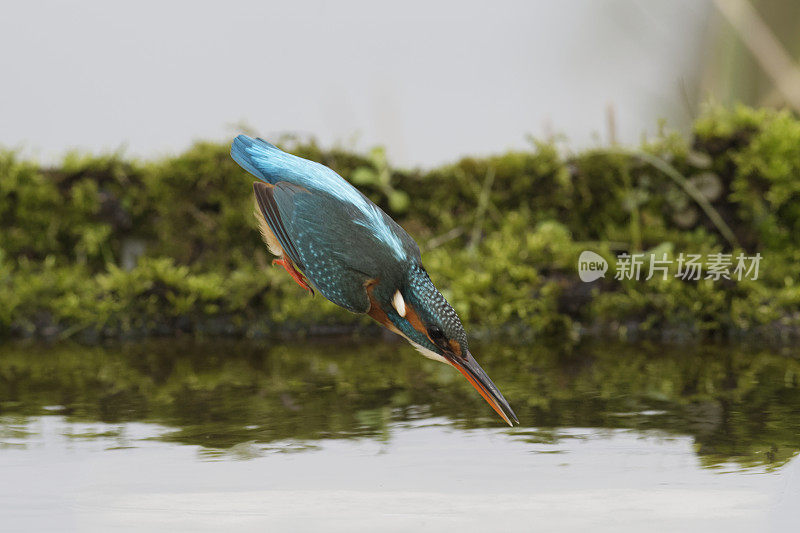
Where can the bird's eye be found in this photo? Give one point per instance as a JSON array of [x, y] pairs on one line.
[[436, 334]]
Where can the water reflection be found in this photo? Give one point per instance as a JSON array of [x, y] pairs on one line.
[[245, 399]]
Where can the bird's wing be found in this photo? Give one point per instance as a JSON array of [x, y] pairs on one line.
[[330, 241], [268, 205], [272, 165]]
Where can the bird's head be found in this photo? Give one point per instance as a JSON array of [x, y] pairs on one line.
[[412, 307]]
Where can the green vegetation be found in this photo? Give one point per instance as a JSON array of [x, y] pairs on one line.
[[738, 405], [108, 247]]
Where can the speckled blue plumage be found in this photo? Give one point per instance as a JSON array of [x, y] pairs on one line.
[[335, 235], [432, 307], [341, 241], [318, 233]]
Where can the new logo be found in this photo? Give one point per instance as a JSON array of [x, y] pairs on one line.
[[591, 266]]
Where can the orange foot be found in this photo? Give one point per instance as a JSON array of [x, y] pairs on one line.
[[297, 276]]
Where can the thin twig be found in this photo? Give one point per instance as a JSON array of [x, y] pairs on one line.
[[483, 203], [439, 240], [611, 124], [691, 190], [765, 47]]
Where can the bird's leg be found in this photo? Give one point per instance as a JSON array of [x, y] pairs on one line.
[[297, 276]]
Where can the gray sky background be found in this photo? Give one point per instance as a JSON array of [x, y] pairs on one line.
[[431, 81]]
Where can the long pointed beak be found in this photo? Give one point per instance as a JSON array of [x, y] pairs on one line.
[[471, 370]]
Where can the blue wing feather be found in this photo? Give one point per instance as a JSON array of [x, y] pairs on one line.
[[272, 165], [321, 246]]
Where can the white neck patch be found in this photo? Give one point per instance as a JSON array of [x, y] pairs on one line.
[[399, 304]]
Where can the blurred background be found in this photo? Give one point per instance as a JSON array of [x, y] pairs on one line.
[[431, 81], [158, 374]]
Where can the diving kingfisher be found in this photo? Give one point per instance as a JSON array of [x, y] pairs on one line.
[[328, 235]]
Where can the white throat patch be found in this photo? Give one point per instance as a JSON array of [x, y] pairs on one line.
[[428, 353]]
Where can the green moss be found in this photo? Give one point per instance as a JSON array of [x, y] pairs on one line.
[[766, 186], [104, 246], [718, 122]]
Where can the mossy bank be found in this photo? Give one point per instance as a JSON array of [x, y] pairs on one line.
[[104, 246]]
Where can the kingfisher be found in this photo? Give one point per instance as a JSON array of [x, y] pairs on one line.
[[330, 237]]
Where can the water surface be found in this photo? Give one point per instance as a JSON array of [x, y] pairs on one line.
[[180, 435]]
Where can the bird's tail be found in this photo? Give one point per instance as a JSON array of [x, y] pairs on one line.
[[257, 156]]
